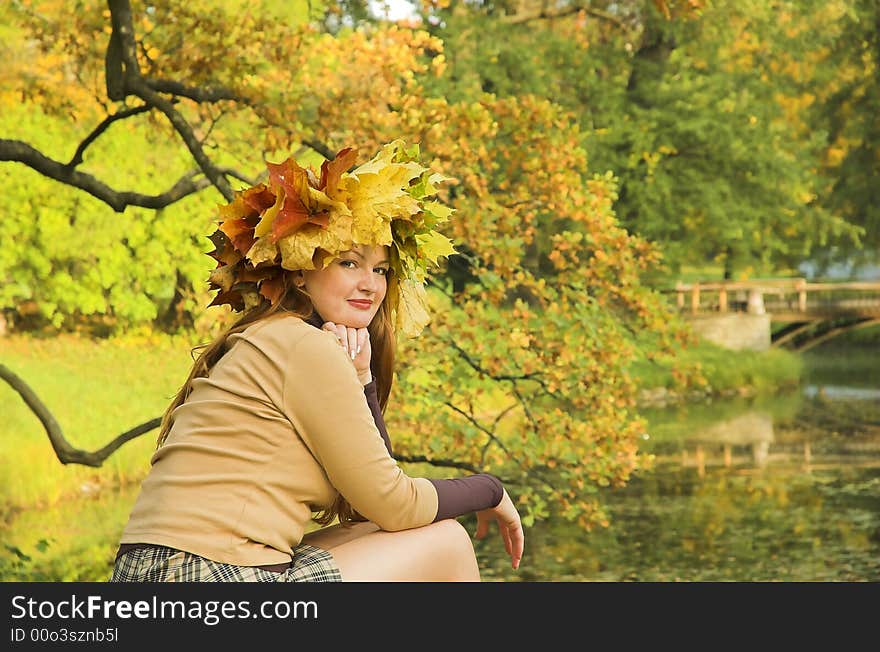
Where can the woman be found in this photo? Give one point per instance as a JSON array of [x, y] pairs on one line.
[[281, 417]]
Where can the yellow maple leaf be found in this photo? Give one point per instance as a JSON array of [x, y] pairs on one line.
[[432, 245]]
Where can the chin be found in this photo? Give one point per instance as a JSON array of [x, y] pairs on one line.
[[353, 318]]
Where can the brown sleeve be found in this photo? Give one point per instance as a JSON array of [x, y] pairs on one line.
[[455, 496], [372, 394], [458, 496]]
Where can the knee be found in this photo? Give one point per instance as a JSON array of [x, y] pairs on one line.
[[457, 549], [455, 535]]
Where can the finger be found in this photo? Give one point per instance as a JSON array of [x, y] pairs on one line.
[[363, 336], [352, 336], [330, 327], [505, 536], [342, 336], [517, 544]]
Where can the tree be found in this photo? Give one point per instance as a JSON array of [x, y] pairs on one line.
[[688, 103], [844, 96]]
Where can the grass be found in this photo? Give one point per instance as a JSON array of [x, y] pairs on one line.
[[725, 371], [96, 389]]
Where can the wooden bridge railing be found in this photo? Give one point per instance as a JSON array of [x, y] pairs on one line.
[[789, 297]]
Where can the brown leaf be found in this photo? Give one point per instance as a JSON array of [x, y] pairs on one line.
[[259, 198], [272, 288], [232, 298]]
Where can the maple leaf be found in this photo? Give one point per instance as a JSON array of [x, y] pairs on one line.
[[272, 288], [433, 245], [302, 204], [377, 197], [240, 232], [263, 250], [223, 277], [232, 299], [331, 171], [412, 302], [298, 248], [247, 203]]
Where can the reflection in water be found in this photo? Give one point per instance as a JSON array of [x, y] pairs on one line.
[[841, 392], [751, 429], [784, 488]]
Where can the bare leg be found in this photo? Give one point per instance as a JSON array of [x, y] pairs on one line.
[[439, 552], [329, 537]]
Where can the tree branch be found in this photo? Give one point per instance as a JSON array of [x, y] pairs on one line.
[[21, 152], [186, 133], [476, 424], [66, 453], [100, 129], [321, 148], [135, 84], [210, 95], [441, 462]]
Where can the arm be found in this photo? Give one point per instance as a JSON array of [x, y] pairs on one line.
[[324, 401], [456, 496]]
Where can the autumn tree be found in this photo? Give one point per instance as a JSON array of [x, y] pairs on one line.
[[688, 103]]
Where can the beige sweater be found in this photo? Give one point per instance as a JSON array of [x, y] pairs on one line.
[[279, 426]]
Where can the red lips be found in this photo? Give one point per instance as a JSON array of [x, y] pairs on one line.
[[362, 304]]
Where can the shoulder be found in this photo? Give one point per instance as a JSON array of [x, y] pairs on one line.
[[287, 333]]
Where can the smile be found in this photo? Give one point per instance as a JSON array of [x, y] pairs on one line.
[[362, 304]]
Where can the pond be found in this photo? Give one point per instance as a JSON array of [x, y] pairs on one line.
[[780, 488]]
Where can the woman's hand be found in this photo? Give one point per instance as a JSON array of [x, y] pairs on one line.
[[509, 524], [356, 344]]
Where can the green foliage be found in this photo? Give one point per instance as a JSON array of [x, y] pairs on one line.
[[96, 389], [752, 372], [67, 259], [692, 115], [848, 94]]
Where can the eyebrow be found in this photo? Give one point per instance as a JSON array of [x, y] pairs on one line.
[[385, 261]]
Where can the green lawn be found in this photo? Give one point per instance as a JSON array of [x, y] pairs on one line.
[[96, 389]]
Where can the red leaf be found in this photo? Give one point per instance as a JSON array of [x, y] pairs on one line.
[[331, 171], [290, 219], [241, 232], [259, 198]]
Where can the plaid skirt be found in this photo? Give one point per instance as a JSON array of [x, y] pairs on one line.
[[161, 564]]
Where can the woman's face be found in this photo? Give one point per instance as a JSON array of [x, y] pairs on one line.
[[350, 290]]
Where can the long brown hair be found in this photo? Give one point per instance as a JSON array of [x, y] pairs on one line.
[[295, 301]]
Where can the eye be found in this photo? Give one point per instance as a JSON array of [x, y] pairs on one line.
[[348, 263], [381, 271]]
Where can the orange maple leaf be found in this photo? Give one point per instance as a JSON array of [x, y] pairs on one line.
[[331, 171], [298, 208]]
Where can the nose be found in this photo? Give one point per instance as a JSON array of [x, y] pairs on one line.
[[367, 281]]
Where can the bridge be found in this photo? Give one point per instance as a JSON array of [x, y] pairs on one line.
[[811, 313]]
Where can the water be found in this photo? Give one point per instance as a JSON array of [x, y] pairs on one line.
[[780, 488]]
